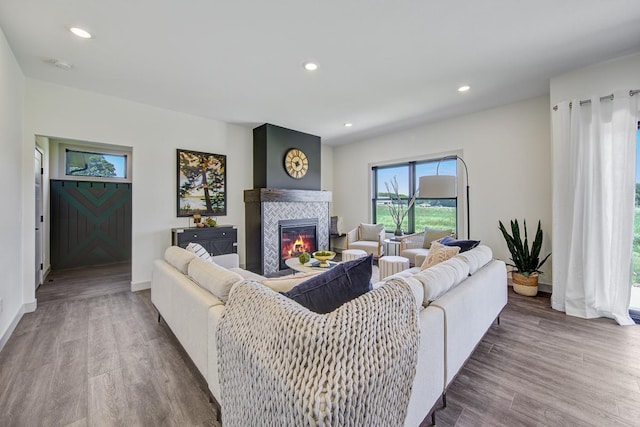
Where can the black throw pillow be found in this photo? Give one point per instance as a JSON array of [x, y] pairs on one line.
[[464, 245], [327, 291]]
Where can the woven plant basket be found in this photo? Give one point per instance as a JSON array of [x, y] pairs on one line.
[[523, 285]]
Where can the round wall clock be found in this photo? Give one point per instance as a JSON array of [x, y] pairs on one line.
[[296, 163]]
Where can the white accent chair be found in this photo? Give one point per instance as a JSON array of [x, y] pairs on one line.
[[367, 237], [420, 243]]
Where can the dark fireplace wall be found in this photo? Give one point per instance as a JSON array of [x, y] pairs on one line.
[[270, 145]]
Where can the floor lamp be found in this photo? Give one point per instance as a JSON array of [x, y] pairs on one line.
[[445, 187]]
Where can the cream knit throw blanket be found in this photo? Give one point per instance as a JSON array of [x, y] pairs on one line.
[[283, 365]]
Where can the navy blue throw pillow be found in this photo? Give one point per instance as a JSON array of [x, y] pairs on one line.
[[464, 245], [327, 291]]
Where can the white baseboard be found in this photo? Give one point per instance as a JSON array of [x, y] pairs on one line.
[[25, 308], [140, 286], [30, 307]]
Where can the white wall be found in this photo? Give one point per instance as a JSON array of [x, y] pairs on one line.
[[507, 150], [597, 80], [12, 85], [154, 134]]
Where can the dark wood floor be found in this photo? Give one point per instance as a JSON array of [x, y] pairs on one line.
[[90, 357]]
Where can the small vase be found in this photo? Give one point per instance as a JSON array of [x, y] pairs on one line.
[[398, 232]]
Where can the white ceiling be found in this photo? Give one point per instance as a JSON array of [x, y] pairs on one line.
[[384, 65]]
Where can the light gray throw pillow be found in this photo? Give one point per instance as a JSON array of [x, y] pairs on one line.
[[370, 231], [431, 234]]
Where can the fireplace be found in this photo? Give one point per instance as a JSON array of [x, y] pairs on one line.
[[297, 236], [266, 209]]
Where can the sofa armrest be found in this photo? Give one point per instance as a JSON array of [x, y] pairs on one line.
[[227, 260], [412, 241], [352, 236], [381, 236]]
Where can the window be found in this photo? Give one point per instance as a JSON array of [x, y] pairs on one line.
[[435, 213], [94, 164]]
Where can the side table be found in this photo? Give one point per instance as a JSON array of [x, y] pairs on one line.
[[392, 247]]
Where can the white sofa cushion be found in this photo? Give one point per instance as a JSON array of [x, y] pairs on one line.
[[248, 275], [285, 284], [477, 257], [212, 277], [178, 258], [437, 280]]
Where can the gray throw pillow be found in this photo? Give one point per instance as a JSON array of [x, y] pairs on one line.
[[370, 231], [431, 234]]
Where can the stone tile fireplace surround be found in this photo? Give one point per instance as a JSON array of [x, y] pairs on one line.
[[265, 207]]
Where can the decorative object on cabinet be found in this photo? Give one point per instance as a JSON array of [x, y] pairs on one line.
[[202, 183], [219, 240]]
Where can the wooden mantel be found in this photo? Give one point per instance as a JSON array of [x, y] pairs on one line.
[[258, 195]]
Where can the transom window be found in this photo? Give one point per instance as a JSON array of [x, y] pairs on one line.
[[95, 164], [426, 212]]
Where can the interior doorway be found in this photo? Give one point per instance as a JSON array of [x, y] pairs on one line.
[[87, 206]]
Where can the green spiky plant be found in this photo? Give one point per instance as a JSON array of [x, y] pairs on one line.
[[524, 260]]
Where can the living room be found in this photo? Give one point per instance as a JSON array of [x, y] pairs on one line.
[[506, 146]]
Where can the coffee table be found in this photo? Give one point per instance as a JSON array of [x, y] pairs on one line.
[[294, 264]]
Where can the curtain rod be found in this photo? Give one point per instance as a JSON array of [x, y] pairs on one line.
[[602, 98]]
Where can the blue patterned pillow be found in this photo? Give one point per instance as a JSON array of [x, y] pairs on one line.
[[327, 291]]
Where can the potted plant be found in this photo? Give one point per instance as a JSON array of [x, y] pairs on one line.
[[397, 208], [526, 261]]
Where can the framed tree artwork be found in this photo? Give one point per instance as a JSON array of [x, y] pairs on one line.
[[202, 183]]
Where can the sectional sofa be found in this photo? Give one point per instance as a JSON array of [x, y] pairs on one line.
[[461, 298]]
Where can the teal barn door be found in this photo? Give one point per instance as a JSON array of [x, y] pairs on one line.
[[90, 223]]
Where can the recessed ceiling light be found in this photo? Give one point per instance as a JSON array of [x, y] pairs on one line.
[[80, 32], [59, 63], [348, 125], [310, 66], [464, 88]]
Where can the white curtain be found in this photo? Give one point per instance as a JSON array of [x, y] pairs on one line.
[[594, 152]]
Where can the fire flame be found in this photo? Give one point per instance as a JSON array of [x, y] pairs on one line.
[[299, 246]]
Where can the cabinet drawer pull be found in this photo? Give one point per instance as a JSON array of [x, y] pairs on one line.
[[195, 235]]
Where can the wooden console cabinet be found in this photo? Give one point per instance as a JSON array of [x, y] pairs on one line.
[[219, 240]]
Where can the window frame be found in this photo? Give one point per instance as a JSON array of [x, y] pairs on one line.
[[90, 149], [413, 187]]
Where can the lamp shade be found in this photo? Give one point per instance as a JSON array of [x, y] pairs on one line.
[[438, 187]]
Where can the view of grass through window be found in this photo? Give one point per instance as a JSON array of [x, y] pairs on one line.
[[434, 213]]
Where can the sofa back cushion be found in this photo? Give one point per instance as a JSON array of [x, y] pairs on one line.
[[178, 258], [215, 279], [431, 234], [285, 284], [437, 280], [370, 231], [327, 291], [477, 257]]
